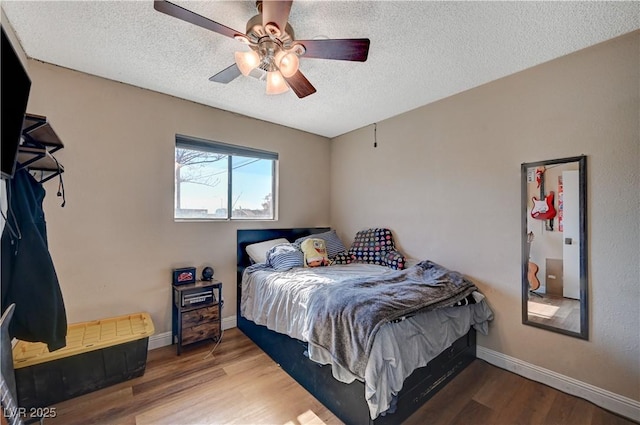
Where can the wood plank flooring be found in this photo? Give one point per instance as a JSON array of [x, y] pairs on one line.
[[239, 384]]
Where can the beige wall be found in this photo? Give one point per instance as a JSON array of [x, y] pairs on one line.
[[446, 179], [115, 242]]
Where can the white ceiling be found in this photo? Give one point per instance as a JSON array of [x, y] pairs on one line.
[[421, 51]]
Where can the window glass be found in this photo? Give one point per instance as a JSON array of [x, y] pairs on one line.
[[220, 181], [252, 187]]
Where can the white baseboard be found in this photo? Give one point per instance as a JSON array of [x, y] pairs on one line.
[[165, 338], [621, 405]]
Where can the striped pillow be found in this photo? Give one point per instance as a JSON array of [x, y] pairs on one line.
[[284, 257], [331, 240]]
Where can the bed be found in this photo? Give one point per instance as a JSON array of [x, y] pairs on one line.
[[346, 393]]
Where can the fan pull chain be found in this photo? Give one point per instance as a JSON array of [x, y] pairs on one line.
[[375, 134]]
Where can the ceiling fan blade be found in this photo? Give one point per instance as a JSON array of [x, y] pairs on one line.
[[347, 49], [276, 12], [300, 85], [226, 75], [192, 17]]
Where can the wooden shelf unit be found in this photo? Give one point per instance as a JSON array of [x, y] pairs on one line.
[[197, 310]]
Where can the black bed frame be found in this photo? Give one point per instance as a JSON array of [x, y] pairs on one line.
[[346, 401]]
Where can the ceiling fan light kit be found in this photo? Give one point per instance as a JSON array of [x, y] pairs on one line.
[[247, 61], [274, 53], [276, 83], [288, 63], [271, 57]]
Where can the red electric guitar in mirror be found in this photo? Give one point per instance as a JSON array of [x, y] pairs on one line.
[[543, 208]]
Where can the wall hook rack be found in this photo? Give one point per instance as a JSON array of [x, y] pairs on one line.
[[39, 142]]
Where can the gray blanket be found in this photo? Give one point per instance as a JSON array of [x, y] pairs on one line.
[[344, 318]]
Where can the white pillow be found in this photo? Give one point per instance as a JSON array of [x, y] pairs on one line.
[[258, 251]]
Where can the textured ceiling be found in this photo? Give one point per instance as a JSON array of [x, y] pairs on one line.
[[421, 51]]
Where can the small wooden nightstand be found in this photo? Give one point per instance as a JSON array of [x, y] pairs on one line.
[[196, 312]]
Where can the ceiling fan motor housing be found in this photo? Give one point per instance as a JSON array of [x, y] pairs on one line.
[[268, 45], [255, 31]]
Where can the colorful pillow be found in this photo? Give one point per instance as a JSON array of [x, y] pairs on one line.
[[375, 246], [285, 257], [258, 251], [394, 259], [332, 241], [343, 258], [315, 252]]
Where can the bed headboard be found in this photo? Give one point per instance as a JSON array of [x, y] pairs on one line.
[[249, 236]]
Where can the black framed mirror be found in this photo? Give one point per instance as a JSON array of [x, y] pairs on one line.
[[554, 245]]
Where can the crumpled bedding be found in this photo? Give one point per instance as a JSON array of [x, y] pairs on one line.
[[280, 301], [345, 318]]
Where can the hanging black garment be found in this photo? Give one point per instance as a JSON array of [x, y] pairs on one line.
[[28, 276]]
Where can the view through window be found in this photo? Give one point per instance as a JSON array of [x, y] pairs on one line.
[[216, 180]]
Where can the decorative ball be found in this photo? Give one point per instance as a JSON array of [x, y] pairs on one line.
[[207, 273]]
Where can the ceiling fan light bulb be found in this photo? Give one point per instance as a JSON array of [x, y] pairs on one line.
[[289, 64], [247, 61], [276, 83]]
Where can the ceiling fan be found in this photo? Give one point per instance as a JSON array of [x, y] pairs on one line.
[[274, 52]]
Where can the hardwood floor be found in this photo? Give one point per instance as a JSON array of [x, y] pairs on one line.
[[239, 384]]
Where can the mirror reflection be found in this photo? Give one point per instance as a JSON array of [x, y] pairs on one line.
[[554, 245]]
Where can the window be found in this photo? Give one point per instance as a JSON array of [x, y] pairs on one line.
[[219, 181]]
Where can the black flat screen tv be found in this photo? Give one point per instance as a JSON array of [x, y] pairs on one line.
[[14, 91]]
